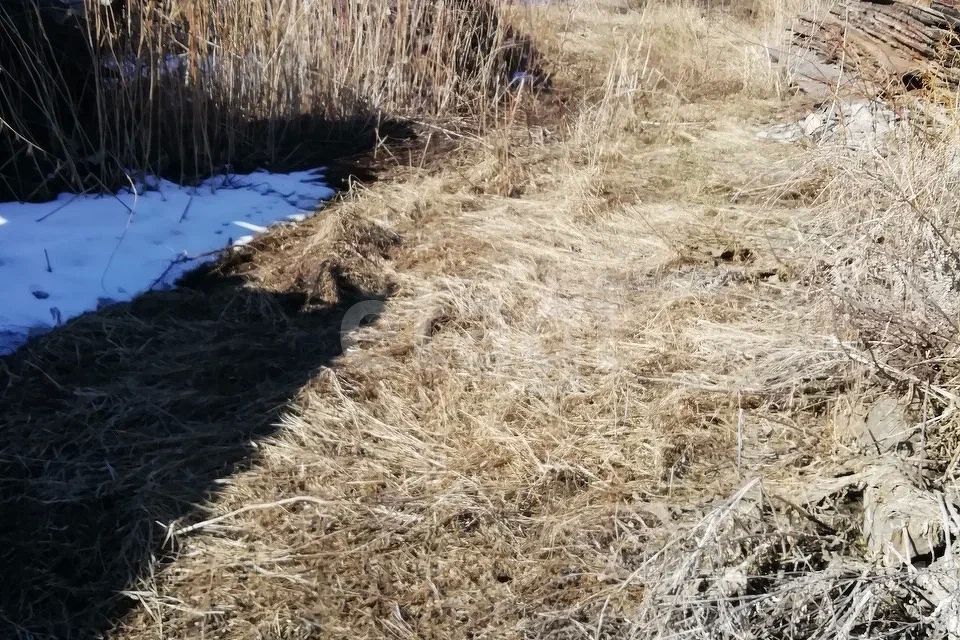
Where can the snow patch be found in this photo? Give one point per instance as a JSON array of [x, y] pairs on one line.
[[77, 253]]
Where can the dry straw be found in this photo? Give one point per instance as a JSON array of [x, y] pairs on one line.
[[186, 88]]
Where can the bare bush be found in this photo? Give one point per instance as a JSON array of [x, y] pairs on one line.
[[891, 251], [755, 567]]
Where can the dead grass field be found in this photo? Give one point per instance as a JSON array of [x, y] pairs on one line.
[[609, 365]]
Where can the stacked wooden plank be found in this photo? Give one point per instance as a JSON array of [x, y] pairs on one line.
[[907, 41]]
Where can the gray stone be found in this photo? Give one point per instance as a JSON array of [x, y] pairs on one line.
[[886, 427]]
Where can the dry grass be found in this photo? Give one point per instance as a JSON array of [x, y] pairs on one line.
[[890, 261], [187, 88], [596, 328]]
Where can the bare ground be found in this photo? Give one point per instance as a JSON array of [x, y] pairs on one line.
[[586, 333]]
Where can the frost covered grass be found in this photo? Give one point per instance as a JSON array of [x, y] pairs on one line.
[[186, 89]]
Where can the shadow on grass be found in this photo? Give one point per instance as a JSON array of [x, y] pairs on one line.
[[127, 418]]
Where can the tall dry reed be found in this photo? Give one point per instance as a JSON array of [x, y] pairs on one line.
[[185, 88]]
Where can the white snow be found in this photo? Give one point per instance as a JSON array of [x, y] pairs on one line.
[[62, 258]]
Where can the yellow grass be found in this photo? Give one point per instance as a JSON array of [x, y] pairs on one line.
[[187, 88], [603, 372], [559, 375]]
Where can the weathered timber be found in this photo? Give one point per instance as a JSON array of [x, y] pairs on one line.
[[906, 42]]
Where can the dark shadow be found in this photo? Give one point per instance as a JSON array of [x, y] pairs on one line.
[[127, 418]]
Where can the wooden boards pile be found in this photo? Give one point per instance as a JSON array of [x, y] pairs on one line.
[[907, 42]]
